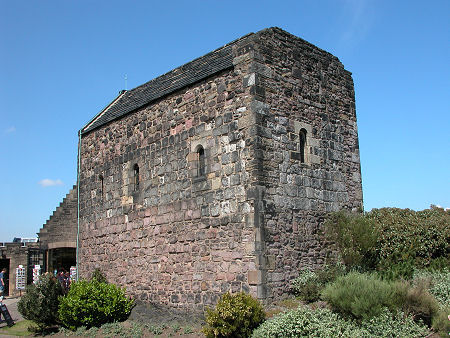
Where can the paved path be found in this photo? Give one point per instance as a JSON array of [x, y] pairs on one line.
[[11, 304]]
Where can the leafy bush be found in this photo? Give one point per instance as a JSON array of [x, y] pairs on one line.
[[438, 284], [387, 324], [399, 270], [99, 276], [305, 322], [361, 296], [309, 284], [40, 302], [407, 235], [235, 315], [393, 241], [441, 322], [417, 301], [91, 303], [306, 286], [355, 237], [330, 273]]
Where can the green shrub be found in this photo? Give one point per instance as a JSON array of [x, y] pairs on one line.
[[304, 322], [91, 303], [406, 235], [441, 322], [330, 273], [393, 241], [395, 271], [355, 237], [98, 276], [40, 302], [307, 286], [417, 301], [361, 296], [235, 315], [438, 284], [387, 324]]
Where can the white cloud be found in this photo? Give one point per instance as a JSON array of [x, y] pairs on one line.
[[10, 130], [46, 182], [358, 18]]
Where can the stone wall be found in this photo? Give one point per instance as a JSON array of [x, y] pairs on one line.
[[301, 87], [178, 238], [17, 254], [60, 230], [154, 223]]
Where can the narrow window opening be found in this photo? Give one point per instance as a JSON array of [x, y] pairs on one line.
[[136, 177], [101, 185], [302, 149], [201, 161]]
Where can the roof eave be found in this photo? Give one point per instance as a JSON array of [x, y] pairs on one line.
[[96, 117]]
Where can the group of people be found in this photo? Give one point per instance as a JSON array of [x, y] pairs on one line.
[[64, 278]]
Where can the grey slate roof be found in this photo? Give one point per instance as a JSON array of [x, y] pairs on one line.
[[176, 79]]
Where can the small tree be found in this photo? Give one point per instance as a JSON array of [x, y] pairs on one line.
[[40, 302]]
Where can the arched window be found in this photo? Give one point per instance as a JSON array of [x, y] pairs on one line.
[[302, 150], [201, 161], [136, 177]]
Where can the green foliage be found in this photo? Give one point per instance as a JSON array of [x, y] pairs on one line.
[[91, 303], [365, 296], [304, 322], [154, 329], [393, 241], [438, 284], [306, 286], [40, 302], [108, 330], [387, 324], [188, 330], [330, 273], [398, 270], [355, 237], [235, 315], [113, 329], [98, 276], [441, 322], [417, 301], [361, 296], [407, 235], [309, 284]]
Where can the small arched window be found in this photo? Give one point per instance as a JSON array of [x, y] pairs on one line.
[[136, 177], [201, 161], [302, 146]]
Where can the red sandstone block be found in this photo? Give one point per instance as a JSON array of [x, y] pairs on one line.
[[196, 214]]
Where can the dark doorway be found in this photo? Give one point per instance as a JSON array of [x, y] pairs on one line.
[[61, 259], [4, 263], [35, 257]]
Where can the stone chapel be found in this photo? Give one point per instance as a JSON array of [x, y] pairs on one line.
[[217, 175]]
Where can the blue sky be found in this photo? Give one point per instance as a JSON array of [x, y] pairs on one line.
[[61, 62]]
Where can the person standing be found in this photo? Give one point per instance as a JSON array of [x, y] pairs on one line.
[[2, 282]]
